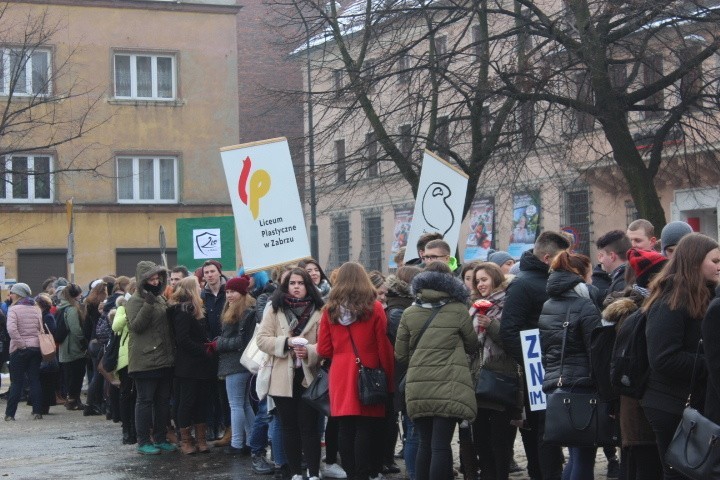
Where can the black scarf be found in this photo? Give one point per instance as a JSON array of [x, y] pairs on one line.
[[300, 309]]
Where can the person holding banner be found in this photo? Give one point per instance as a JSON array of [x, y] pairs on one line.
[[288, 333], [567, 320]]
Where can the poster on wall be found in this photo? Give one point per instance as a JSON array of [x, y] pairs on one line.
[[206, 238], [403, 220], [264, 195], [526, 216], [439, 202], [480, 238]]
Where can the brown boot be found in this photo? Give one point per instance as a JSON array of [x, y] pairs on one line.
[[201, 440], [225, 440], [171, 437], [186, 445]]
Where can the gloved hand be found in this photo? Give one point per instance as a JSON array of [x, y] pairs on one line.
[[149, 298]]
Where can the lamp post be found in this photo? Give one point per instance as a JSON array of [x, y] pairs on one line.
[[311, 150]]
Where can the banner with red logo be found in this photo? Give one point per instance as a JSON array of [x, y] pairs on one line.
[[266, 204]]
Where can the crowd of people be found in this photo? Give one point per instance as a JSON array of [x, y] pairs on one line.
[[162, 352]]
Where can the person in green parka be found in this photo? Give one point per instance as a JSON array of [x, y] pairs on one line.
[[439, 389], [73, 348]]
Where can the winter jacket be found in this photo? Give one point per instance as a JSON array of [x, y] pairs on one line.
[[711, 329], [672, 340], [634, 427], [120, 327], [191, 357], [152, 345], [233, 341], [438, 381], [374, 349], [569, 302], [262, 301], [526, 295], [272, 339], [399, 298], [23, 324], [74, 346], [214, 305]]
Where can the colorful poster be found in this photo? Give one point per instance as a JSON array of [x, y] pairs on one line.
[[403, 220], [480, 238], [526, 217], [439, 203], [206, 238], [266, 203], [534, 372]]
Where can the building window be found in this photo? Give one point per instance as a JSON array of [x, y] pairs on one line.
[[631, 213], [371, 145], [406, 141], [340, 162], [442, 136], [372, 242], [368, 73], [338, 81], [585, 122], [147, 179], [145, 76], [403, 67], [26, 178], [441, 56], [24, 73], [577, 217], [691, 82], [341, 240], [652, 72], [527, 125], [477, 40]]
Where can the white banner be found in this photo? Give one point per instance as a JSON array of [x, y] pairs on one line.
[[534, 372], [439, 203], [264, 195]]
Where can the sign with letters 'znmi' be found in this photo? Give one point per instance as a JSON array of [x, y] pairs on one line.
[[266, 203], [534, 372]]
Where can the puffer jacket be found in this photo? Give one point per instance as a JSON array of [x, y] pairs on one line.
[[119, 326], [74, 347], [438, 381], [569, 301], [233, 341], [23, 324], [152, 344]]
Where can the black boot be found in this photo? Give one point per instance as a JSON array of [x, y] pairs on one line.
[[126, 435]]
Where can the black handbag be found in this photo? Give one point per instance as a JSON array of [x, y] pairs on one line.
[[694, 450], [372, 382], [578, 418], [317, 394], [496, 387], [401, 385]]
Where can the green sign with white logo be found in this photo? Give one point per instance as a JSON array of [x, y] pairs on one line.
[[206, 238]]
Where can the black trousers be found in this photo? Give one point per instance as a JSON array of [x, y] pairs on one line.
[[127, 400], [299, 427], [74, 372], [493, 435], [434, 457], [663, 425], [544, 461], [332, 432], [361, 445], [152, 407], [390, 434], [642, 462], [193, 400]]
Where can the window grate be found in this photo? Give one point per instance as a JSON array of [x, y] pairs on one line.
[[341, 241], [631, 213], [372, 242], [577, 217]]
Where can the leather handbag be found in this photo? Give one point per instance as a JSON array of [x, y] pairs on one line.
[[47, 343], [317, 395], [372, 382], [498, 388], [577, 418], [694, 450]]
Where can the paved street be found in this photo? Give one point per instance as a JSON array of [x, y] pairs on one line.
[[67, 445]]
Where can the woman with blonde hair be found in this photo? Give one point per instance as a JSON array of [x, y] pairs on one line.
[[195, 363], [238, 326], [353, 326]]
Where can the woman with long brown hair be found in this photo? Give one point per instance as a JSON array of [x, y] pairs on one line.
[[354, 325], [195, 363], [679, 297], [73, 348]]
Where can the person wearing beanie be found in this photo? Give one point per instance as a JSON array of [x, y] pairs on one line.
[[645, 264], [671, 235], [23, 325], [503, 260]]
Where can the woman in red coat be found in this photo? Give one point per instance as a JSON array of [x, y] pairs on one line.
[[352, 315]]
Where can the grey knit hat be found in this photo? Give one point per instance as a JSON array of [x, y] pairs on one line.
[[21, 290], [499, 258], [672, 233]]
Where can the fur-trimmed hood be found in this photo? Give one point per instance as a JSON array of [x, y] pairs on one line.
[[435, 286], [619, 309], [397, 287]]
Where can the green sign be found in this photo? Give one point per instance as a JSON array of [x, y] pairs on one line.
[[206, 238]]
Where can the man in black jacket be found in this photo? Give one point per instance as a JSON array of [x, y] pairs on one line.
[[524, 300]]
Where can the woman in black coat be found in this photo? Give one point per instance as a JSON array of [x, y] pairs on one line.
[[569, 301], [679, 298]]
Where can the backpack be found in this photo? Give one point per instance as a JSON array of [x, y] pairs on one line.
[[61, 328], [602, 342], [630, 367], [112, 351]]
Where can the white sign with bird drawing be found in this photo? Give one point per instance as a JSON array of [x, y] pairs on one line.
[[439, 203]]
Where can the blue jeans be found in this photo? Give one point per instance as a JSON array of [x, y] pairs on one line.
[[412, 441], [242, 416], [581, 464], [24, 362], [259, 433], [278, 449]]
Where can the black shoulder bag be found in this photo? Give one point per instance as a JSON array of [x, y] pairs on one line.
[[695, 450], [401, 385], [372, 382], [575, 419]]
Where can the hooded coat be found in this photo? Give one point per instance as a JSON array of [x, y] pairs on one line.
[[569, 301], [152, 344], [438, 381]]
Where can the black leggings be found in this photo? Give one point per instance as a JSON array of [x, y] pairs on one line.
[[193, 400], [494, 435], [434, 457], [74, 372], [361, 445], [663, 425], [642, 462]]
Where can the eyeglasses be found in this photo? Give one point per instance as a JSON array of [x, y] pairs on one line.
[[432, 258]]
